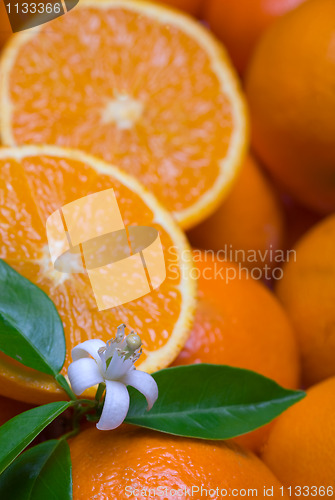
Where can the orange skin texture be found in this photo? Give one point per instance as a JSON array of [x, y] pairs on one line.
[[307, 292], [239, 24], [290, 90], [301, 447], [250, 218], [240, 323], [105, 463]]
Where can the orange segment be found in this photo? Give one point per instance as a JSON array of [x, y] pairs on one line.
[[137, 84], [46, 179], [20, 233]]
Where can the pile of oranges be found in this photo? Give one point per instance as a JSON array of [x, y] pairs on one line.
[[213, 121]]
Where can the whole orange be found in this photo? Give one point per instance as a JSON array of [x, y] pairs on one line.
[[136, 463], [239, 322], [239, 24], [290, 89], [301, 447], [307, 292], [248, 222]]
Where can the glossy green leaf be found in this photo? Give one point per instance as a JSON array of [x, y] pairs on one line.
[[31, 330], [211, 402], [40, 473], [17, 433]]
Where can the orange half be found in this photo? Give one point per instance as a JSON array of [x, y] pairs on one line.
[[137, 84], [35, 182]]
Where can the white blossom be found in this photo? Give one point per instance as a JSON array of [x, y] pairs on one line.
[[95, 362]]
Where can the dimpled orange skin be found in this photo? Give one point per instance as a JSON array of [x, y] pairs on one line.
[[307, 292], [290, 90], [301, 447], [250, 218], [239, 24], [105, 463], [240, 323]]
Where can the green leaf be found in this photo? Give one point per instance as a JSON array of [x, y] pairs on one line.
[[40, 473], [211, 402], [31, 330], [18, 432]]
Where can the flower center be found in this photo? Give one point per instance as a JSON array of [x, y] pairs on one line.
[[128, 347], [133, 341]]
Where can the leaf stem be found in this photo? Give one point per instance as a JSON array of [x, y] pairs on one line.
[[100, 391], [82, 407], [61, 380], [70, 434], [87, 402]]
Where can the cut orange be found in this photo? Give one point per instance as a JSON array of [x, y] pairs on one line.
[[138, 84], [36, 181]]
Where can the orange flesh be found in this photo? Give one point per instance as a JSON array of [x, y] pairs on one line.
[[33, 189], [66, 84]]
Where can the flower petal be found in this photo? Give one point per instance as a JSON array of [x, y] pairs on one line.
[[84, 373], [118, 367], [144, 383], [87, 349], [115, 407]]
